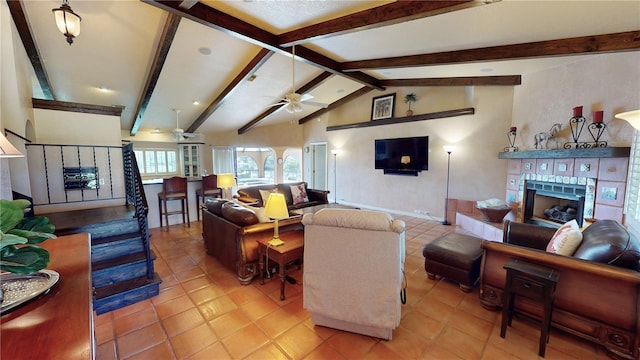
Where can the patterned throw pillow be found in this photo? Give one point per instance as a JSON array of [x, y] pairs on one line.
[[264, 194], [299, 194], [566, 239]]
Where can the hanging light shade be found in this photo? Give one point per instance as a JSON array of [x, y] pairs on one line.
[[633, 117], [67, 21]]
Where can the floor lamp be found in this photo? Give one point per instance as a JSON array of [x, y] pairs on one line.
[[449, 149], [335, 176]]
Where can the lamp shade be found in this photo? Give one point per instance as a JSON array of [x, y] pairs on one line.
[[449, 148], [7, 150], [633, 117], [226, 181], [276, 207], [67, 21]]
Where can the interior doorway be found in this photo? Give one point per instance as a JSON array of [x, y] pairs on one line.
[[315, 158]]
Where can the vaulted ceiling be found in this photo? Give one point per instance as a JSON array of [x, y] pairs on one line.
[[234, 57]]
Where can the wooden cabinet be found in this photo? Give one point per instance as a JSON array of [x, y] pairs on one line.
[[58, 325]]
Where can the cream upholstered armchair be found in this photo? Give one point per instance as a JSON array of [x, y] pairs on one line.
[[353, 270]]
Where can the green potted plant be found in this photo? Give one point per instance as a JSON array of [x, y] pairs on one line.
[[18, 234], [408, 99]]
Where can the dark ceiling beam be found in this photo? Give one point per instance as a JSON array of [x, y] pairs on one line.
[[616, 42], [166, 39], [335, 104], [248, 70], [24, 30], [507, 80], [384, 15], [315, 82], [77, 107], [232, 26]]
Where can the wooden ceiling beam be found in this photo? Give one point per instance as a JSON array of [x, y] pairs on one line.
[[246, 72], [384, 15], [507, 80], [335, 104], [315, 82], [166, 39], [616, 42], [77, 107], [24, 30], [232, 26]]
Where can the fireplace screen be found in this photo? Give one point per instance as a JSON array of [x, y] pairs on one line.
[[553, 204]]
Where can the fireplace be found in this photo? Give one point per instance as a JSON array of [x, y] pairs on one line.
[[552, 204]]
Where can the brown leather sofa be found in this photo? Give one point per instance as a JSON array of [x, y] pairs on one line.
[[230, 232], [251, 194], [598, 293]]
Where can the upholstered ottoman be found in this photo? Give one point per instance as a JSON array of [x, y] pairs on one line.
[[455, 257]]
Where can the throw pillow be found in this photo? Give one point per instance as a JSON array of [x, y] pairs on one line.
[[264, 194], [299, 194], [566, 239]]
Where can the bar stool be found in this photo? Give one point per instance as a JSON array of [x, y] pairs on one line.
[[174, 188], [209, 189]]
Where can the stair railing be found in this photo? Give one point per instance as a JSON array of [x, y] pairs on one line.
[[135, 195]]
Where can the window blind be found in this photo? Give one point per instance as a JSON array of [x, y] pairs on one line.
[[632, 197]]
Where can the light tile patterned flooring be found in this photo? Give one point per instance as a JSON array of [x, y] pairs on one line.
[[202, 312]]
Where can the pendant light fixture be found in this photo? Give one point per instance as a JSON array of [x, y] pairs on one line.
[[67, 21]]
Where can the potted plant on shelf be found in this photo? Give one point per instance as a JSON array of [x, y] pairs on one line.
[[408, 99], [18, 234]]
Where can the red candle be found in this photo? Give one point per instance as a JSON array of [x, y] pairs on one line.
[[597, 117], [577, 111], [513, 129]]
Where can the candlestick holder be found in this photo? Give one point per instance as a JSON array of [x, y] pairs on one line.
[[596, 130], [511, 136], [576, 124]]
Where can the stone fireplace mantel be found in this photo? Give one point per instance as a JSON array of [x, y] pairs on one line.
[[607, 152]]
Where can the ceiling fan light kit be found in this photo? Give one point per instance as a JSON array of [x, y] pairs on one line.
[[68, 22]]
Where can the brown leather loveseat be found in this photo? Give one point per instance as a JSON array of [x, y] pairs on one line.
[[230, 232], [598, 293], [252, 194]]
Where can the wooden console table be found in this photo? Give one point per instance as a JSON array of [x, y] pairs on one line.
[[58, 325], [291, 250]]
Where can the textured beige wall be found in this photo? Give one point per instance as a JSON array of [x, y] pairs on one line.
[[608, 82], [476, 171]]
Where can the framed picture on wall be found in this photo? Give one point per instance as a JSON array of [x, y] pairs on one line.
[[382, 107]]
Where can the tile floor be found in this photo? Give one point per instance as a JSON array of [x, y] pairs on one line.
[[202, 312]]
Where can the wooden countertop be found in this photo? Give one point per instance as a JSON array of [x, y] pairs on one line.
[[58, 325]]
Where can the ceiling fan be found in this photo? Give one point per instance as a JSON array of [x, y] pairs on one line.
[[179, 133], [292, 102]]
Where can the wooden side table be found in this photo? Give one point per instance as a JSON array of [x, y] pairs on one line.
[[291, 250], [534, 282]]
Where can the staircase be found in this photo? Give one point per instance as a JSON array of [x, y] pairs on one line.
[[122, 269]]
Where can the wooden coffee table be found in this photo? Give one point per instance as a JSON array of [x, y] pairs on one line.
[[291, 250]]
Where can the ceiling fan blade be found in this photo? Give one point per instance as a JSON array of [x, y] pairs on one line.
[[318, 104], [279, 104], [306, 97]]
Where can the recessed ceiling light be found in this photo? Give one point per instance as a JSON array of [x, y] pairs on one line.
[[104, 89], [204, 51], [486, 70], [196, 102], [340, 91]]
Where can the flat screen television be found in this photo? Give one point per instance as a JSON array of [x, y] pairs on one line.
[[404, 156]]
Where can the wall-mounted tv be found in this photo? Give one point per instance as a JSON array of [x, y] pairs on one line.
[[403, 156]]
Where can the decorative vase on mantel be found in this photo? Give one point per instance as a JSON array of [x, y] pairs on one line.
[[408, 99]]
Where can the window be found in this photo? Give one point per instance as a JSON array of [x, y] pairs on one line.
[[270, 168], [291, 169], [247, 169], [632, 199], [157, 162]]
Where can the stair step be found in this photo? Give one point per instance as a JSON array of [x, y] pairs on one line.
[[116, 246], [106, 229], [119, 295], [122, 268]]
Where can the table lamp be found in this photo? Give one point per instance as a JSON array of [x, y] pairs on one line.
[[226, 182], [276, 209]]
